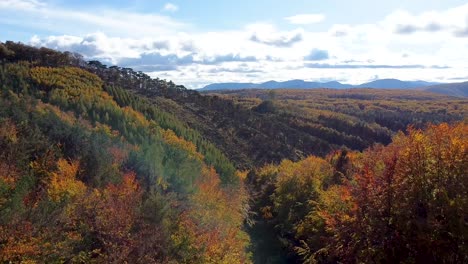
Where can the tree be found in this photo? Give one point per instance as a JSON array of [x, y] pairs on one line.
[[63, 183], [410, 201]]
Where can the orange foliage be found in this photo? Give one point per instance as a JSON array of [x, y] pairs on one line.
[[213, 225], [9, 174], [19, 243], [8, 171], [63, 182], [24, 242], [111, 214], [119, 155], [413, 192]]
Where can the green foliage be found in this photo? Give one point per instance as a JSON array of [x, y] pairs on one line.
[[84, 178], [104, 164], [166, 120]]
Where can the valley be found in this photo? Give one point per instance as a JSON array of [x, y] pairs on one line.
[[104, 164]]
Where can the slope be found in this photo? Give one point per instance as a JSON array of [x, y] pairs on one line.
[[452, 89], [86, 179]]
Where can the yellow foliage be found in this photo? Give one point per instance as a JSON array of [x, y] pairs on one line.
[[65, 77], [172, 139], [67, 117], [214, 224], [242, 174], [63, 182], [8, 131], [312, 169], [268, 171], [135, 117]]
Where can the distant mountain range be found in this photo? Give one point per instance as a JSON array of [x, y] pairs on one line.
[[453, 89]]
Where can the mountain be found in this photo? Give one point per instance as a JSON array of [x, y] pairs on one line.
[[301, 84], [336, 85], [452, 89], [228, 86], [394, 84], [291, 84]]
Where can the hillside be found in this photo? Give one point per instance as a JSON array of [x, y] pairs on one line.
[[88, 177], [247, 135], [245, 132], [452, 89], [394, 84], [389, 204], [354, 118]]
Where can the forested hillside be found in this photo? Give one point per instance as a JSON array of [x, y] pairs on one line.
[[319, 121], [403, 203], [254, 127], [87, 177], [455, 89], [104, 164]]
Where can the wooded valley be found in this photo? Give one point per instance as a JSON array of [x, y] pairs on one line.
[[105, 164]]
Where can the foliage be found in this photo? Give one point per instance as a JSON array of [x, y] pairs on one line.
[[104, 164], [402, 203], [63, 183], [85, 179], [320, 121], [413, 192]]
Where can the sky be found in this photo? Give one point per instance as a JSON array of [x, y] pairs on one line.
[[195, 43]]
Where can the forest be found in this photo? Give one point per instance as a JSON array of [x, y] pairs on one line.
[[105, 164]]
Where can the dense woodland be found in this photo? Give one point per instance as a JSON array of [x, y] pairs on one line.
[[354, 118], [86, 179], [403, 203], [105, 164]]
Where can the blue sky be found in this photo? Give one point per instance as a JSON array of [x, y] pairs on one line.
[[199, 42]]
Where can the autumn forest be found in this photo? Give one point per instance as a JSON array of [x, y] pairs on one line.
[[104, 164]]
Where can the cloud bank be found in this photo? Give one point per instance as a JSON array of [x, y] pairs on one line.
[[409, 46]]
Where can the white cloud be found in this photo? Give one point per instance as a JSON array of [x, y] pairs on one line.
[[256, 52], [21, 4], [101, 46], [37, 15], [170, 7], [305, 19], [450, 21], [267, 34]]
